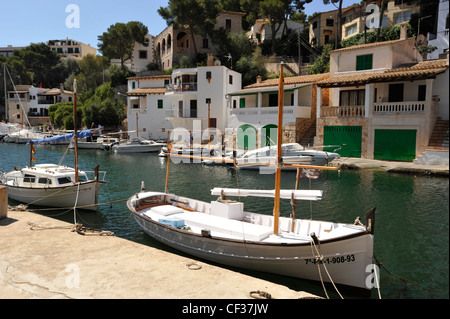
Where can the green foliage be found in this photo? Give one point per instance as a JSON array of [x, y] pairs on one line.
[[251, 66], [386, 34], [118, 41], [322, 64], [61, 115], [103, 107]]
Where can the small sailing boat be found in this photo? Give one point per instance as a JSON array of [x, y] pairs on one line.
[[222, 231], [55, 185]]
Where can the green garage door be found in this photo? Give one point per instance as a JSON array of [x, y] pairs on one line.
[[395, 145], [348, 137]]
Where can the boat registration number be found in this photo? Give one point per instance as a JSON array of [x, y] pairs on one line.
[[332, 260]]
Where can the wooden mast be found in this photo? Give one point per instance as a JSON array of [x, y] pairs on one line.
[[276, 208], [75, 132]]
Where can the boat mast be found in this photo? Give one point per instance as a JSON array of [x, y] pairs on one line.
[[75, 124], [276, 208]]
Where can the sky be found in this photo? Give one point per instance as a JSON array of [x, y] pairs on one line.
[[30, 21]]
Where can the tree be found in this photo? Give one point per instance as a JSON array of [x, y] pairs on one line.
[[40, 61], [104, 107], [322, 63], [118, 42], [198, 15], [250, 67], [92, 75]]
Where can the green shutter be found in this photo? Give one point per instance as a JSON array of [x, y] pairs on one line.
[[242, 103], [160, 104], [364, 62]]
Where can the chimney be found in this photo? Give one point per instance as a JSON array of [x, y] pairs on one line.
[[404, 31], [210, 61], [259, 79]]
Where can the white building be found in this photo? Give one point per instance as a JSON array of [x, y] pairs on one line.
[[440, 39], [382, 101], [31, 104], [262, 30], [192, 99]]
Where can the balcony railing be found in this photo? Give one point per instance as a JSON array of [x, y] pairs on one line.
[[343, 111], [183, 87], [399, 107], [183, 113]]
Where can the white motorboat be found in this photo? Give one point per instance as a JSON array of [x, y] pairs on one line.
[[52, 185], [100, 143], [222, 231], [293, 153], [138, 145]]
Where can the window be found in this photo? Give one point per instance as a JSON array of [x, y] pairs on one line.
[[350, 30], [401, 17], [143, 54], [230, 79], [133, 85], [364, 62], [44, 180], [327, 39], [64, 180], [29, 178], [352, 97], [160, 104], [273, 99], [422, 93], [396, 92], [315, 25], [208, 75], [228, 23], [205, 44], [330, 22]]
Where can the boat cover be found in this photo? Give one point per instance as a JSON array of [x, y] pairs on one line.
[[61, 138]]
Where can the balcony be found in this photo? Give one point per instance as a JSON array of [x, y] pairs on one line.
[[343, 111], [183, 87], [182, 113]]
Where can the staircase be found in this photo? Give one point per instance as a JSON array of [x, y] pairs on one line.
[[439, 137], [437, 151], [308, 137]]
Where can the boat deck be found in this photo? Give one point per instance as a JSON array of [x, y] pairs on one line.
[[254, 227]]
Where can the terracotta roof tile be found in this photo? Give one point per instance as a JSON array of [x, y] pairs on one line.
[[146, 91], [290, 80], [368, 45], [421, 70]]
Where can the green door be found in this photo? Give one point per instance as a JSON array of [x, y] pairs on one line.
[[247, 137], [347, 137], [269, 135], [395, 145]]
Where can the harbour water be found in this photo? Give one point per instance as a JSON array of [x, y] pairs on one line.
[[412, 219]]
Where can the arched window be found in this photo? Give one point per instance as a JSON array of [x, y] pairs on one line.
[[169, 42]]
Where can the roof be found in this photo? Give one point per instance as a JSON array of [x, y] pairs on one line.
[[313, 78], [150, 77], [146, 91], [369, 45], [54, 92], [419, 71]]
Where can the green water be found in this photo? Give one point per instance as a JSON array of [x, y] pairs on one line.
[[412, 219]]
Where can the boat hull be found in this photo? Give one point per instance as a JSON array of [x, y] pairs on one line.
[[345, 259], [82, 196], [137, 148]]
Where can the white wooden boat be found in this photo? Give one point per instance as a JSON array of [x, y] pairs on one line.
[[138, 145], [222, 231], [52, 185]]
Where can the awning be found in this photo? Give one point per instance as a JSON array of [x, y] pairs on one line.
[[61, 138], [268, 89]]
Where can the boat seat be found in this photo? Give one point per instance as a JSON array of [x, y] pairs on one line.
[[230, 227]]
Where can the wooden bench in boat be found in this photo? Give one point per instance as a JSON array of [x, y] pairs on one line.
[[221, 226]]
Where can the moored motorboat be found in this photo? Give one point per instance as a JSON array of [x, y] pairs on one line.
[[138, 145]]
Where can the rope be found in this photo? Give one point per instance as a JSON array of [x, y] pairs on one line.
[[260, 295], [319, 259], [78, 228]]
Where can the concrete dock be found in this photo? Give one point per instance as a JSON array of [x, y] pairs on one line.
[[42, 258], [440, 170]]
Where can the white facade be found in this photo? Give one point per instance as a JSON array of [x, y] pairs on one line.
[[161, 103], [262, 30], [143, 55], [440, 40]]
